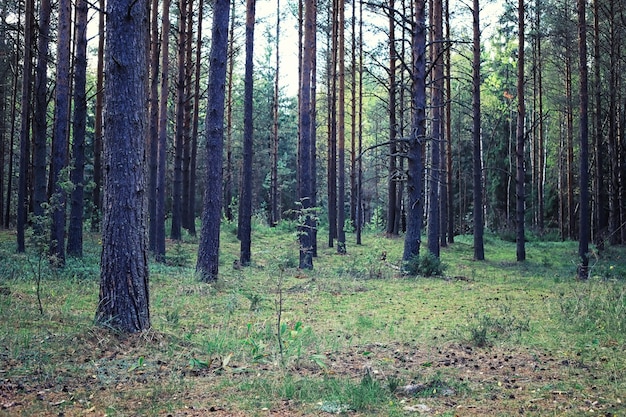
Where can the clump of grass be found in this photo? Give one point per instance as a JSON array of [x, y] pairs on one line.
[[484, 328]]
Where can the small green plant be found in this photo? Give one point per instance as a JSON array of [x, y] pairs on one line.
[[426, 265], [255, 301], [137, 365], [178, 255]]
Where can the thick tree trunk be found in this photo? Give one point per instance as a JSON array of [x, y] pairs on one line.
[[75, 230], [207, 266], [124, 296], [415, 179], [245, 221]]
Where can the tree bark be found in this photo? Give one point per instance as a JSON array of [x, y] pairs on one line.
[[479, 248], [274, 201], [153, 137], [245, 202], [207, 265], [97, 137], [415, 179], [584, 232], [392, 203], [124, 295], [75, 231], [194, 133], [520, 196], [341, 133]]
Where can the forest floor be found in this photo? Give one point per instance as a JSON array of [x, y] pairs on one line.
[[493, 338]]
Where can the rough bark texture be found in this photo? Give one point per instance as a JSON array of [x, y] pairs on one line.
[[97, 139], [341, 134], [584, 232], [305, 192], [392, 222], [153, 136], [124, 297], [479, 247], [77, 204], [40, 118], [60, 133], [415, 206], [208, 250], [520, 193], [245, 222]]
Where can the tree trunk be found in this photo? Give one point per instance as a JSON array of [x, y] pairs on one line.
[[479, 248], [392, 203], [274, 201], [229, 181], [305, 191], [332, 127], [569, 111], [40, 118], [341, 133], [22, 193], [186, 219], [194, 133], [207, 266], [61, 133], [584, 232], [153, 136], [448, 134], [415, 178], [162, 144], [313, 219], [434, 221], [97, 137], [124, 295], [520, 197], [245, 230], [75, 231]]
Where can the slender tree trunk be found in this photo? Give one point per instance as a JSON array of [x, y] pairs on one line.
[[479, 249], [341, 134], [274, 202], [162, 142], [448, 134], [313, 219], [124, 293], [40, 126], [353, 126], [600, 198], [179, 136], [195, 118], [359, 200], [415, 180], [305, 191], [153, 136], [75, 231], [98, 131], [520, 192], [186, 220], [248, 127], [541, 127], [332, 128], [584, 232], [22, 193], [434, 221], [228, 188], [392, 203], [13, 104], [207, 266]]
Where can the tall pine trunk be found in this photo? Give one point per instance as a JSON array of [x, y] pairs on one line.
[[584, 232], [153, 135], [207, 265], [479, 249], [341, 132], [520, 198]]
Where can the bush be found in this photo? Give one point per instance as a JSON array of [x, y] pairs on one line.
[[427, 265]]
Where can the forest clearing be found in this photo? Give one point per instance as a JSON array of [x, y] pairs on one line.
[[357, 338]]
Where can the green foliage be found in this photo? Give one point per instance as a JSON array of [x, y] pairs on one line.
[[426, 265], [502, 324]]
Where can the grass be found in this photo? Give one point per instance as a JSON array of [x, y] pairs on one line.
[[486, 338]]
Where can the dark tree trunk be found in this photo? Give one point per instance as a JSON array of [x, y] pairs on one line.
[[584, 232], [341, 133], [27, 69], [313, 220], [274, 199], [124, 295], [40, 118], [179, 136], [186, 220], [392, 203], [332, 128], [228, 182], [434, 221], [61, 133], [153, 136], [415, 176], [97, 139], [245, 230], [13, 105], [207, 266], [600, 197], [569, 111], [305, 191], [353, 119], [162, 142], [75, 230], [359, 189], [194, 132], [479, 248], [448, 134], [519, 156]]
